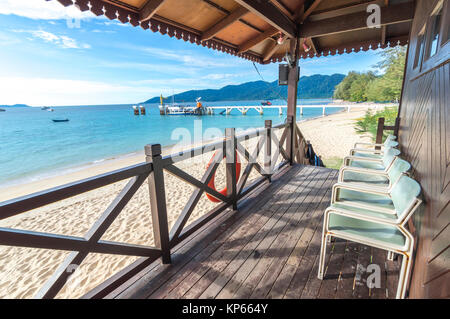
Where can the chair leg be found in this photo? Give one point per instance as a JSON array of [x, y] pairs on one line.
[[404, 275], [323, 249], [390, 256]]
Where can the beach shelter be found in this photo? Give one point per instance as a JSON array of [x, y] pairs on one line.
[[267, 31]]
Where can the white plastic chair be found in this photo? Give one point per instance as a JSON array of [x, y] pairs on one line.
[[372, 177], [374, 224]]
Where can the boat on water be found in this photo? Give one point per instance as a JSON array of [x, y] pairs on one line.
[[2, 110], [60, 120], [47, 108], [177, 109], [266, 103]]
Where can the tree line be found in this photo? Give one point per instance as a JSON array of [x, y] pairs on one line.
[[368, 86]]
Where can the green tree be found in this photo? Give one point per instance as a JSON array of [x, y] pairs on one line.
[[359, 87], [389, 86], [342, 90], [369, 123]]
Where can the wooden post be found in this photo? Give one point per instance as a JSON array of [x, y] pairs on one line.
[[380, 130], [397, 127], [292, 98], [230, 152], [158, 201], [268, 149], [290, 148]]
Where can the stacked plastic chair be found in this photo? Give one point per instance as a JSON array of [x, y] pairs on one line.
[[371, 204]]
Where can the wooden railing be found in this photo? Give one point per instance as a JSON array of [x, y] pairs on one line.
[[381, 128], [153, 170]]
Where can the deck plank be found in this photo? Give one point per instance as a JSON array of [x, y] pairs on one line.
[[285, 238], [208, 268], [360, 289], [256, 247], [379, 258], [268, 253], [157, 276], [269, 248], [303, 214], [329, 286], [223, 287], [306, 251], [348, 271]]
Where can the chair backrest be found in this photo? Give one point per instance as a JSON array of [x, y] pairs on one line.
[[403, 194], [390, 143], [389, 155], [391, 137], [397, 169]]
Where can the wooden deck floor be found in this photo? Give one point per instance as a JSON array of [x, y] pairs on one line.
[[268, 249]]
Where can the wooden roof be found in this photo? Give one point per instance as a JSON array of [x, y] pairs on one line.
[[250, 28]]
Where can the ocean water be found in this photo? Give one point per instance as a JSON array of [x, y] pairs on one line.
[[32, 146]]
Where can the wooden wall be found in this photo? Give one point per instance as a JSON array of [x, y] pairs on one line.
[[425, 141]]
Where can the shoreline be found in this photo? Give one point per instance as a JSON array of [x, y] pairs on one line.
[[40, 182]]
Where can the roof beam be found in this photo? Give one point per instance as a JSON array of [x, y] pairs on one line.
[[149, 9], [283, 9], [255, 40], [269, 13], [357, 21], [343, 10], [273, 47], [269, 32], [384, 28], [308, 11], [314, 45], [225, 22]]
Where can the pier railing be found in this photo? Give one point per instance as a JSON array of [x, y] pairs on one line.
[[238, 187]]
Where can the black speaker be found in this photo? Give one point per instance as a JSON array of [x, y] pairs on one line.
[[283, 74]]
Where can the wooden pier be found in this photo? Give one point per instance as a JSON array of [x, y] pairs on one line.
[[281, 108]]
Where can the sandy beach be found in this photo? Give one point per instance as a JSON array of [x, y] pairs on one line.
[[23, 270]]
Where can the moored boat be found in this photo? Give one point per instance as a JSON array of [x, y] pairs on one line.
[[177, 109], [60, 120]]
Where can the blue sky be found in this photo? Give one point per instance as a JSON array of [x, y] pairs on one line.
[[52, 55]]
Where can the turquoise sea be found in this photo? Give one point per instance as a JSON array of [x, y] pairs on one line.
[[32, 146]]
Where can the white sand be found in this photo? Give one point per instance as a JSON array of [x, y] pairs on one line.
[[334, 135], [24, 270]]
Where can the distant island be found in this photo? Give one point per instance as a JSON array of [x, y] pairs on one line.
[[15, 105], [310, 87]]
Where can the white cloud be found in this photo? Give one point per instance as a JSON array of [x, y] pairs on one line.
[[191, 59], [62, 41], [52, 91], [220, 76], [114, 23], [41, 9], [103, 31], [175, 69]]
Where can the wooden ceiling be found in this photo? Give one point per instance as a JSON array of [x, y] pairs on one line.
[[261, 30]]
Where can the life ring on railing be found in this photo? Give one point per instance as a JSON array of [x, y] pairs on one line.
[[211, 183]]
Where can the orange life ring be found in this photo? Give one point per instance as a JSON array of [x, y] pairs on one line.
[[211, 182]]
